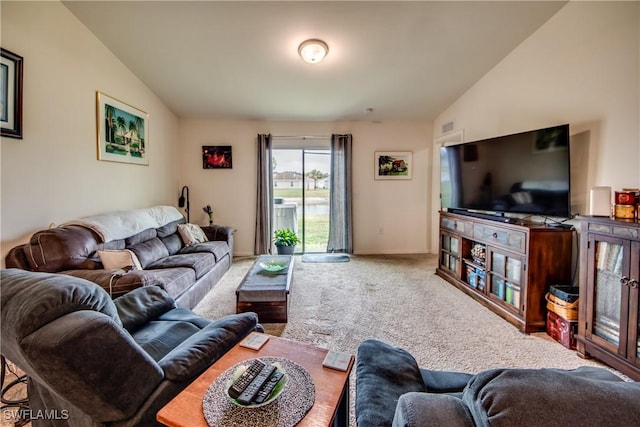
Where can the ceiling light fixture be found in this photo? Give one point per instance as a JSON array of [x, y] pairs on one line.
[[313, 50]]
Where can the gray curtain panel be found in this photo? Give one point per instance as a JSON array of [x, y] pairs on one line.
[[340, 210], [264, 197]]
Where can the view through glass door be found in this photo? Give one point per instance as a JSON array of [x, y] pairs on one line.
[[301, 195]]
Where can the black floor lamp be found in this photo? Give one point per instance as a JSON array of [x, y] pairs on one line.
[[181, 201]]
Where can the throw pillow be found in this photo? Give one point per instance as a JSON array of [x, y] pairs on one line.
[[192, 234], [119, 259]]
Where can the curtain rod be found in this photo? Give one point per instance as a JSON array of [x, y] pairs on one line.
[[303, 137]]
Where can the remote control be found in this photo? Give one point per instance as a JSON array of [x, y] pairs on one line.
[[252, 389], [245, 379], [268, 387]]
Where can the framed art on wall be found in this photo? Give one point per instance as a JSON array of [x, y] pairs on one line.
[[393, 165], [216, 157], [123, 131], [11, 94]]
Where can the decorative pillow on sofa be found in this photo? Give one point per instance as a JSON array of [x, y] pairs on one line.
[[191, 234], [119, 259]]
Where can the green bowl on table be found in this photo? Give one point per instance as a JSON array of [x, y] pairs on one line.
[[273, 266]]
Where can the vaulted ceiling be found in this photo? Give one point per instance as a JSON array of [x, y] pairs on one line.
[[239, 59]]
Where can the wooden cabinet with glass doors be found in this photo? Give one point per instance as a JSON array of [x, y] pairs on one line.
[[609, 280], [507, 267]]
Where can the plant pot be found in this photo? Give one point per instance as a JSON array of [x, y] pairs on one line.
[[286, 250]]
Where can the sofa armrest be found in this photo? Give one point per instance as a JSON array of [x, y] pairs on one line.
[[16, 258], [427, 409], [221, 232], [201, 349], [142, 305]]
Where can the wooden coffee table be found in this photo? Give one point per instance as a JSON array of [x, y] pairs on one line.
[[331, 406], [264, 293]]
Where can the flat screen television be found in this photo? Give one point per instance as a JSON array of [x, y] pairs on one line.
[[523, 173]]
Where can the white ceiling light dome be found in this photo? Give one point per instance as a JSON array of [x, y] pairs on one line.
[[313, 50]]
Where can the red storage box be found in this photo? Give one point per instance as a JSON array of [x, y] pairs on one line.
[[562, 330]]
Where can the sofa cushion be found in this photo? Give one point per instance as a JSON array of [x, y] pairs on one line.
[[552, 397], [202, 263], [170, 228], [219, 249], [112, 260], [143, 305], [150, 251], [173, 242], [140, 237], [158, 338]]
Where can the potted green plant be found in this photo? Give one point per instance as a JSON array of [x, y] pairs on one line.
[[285, 241]]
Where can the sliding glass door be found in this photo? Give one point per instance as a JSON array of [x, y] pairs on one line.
[[301, 192]]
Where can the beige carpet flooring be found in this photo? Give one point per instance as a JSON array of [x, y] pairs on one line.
[[400, 300]]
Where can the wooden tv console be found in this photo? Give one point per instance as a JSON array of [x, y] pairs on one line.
[[506, 266]]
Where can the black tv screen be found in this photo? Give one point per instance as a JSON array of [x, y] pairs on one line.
[[523, 173]]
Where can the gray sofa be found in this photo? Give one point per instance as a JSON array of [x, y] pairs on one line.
[[94, 361], [187, 273], [392, 390]]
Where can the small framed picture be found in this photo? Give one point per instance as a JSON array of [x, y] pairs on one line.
[[11, 94], [393, 165], [216, 157], [123, 131]]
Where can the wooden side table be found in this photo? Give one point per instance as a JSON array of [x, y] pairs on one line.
[[331, 406]]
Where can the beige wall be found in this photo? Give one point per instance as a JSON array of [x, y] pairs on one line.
[[52, 174], [581, 68], [389, 216]]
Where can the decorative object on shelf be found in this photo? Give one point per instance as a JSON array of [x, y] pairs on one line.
[[207, 209], [285, 241], [393, 165], [122, 131], [11, 66], [216, 157], [479, 253], [181, 201]]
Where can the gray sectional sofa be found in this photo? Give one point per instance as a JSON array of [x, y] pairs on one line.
[[187, 273]]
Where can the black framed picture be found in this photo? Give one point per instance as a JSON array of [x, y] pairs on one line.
[[11, 94], [216, 157]]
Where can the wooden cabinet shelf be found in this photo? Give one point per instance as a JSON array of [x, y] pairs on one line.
[[608, 319], [521, 262]]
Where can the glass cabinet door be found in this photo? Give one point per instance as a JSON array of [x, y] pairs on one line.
[[449, 252], [506, 276], [608, 291]]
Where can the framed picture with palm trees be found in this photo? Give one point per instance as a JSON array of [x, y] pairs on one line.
[[123, 131]]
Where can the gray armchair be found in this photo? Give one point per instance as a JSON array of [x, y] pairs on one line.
[[392, 390], [94, 361]]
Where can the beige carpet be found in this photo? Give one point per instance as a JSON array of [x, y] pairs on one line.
[[400, 300]]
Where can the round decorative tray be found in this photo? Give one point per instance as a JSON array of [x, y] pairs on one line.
[[273, 266]]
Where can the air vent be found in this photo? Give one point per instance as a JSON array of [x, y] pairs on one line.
[[447, 127]]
